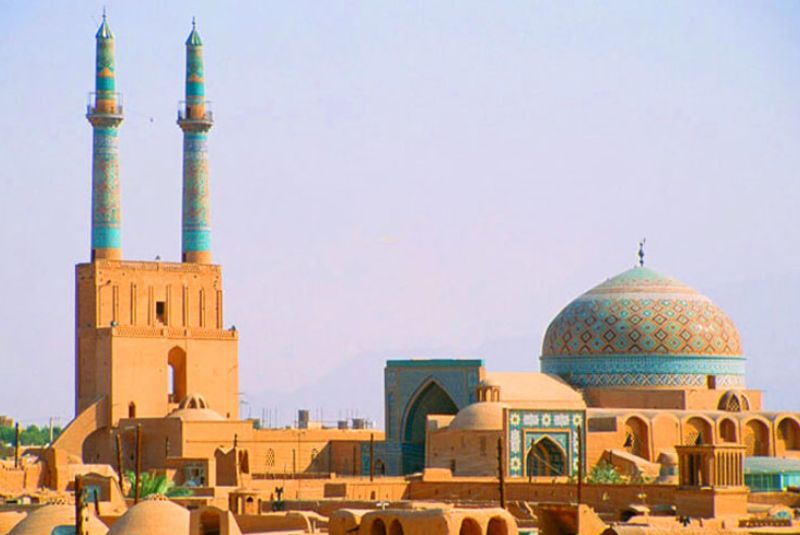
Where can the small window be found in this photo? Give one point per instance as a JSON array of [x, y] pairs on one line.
[[132, 410], [161, 311]]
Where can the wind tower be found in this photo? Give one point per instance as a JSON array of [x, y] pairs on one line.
[[195, 119], [104, 112]]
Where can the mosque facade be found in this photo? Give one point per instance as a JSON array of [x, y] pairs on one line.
[[632, 370]]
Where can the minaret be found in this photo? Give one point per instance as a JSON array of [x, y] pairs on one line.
[[105, 114], [195, 121]]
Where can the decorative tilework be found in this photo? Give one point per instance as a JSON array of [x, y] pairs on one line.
[[527, 427], [196, 222], [105, 118], [642, 329]]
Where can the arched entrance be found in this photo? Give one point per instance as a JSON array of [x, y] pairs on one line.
[[727, 430], [637, 437], [431, 399], [378, 527], [545, 459], [497, 526], [696, 431], [788, 435], [176, 373], [756, 438], [470, 527], [396, 528]]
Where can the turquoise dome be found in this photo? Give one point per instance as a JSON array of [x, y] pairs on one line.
[[642, 329]]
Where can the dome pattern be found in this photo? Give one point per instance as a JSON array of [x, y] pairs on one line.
[[643, 329]]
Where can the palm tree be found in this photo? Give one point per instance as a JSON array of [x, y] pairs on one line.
[[152, 483]]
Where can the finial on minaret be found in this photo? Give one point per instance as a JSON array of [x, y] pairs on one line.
[[641, 252], [194, 118], [105, 115]]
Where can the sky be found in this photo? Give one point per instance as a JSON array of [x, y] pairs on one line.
[[409, 179]]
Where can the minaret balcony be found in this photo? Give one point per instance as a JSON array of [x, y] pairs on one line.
[[104, 104], [198, 114]]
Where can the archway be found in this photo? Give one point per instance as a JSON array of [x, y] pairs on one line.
[[431, 399], [470, 527], [176, 362], [696, 431], [727, 430], [497, 526], [637, 437], [396, 528], [545, 459], [755, 436], [377, 527], [788, 435]]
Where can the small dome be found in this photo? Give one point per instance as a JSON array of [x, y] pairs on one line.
[[154, 516], [534, 389], [482, 416], [641, 328], [45, 519], [195, 408]]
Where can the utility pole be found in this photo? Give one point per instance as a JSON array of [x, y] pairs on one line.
[[119, 461], [501, 473], [579, 431], [16, 445], [79, 519], [137, 492], [51, 430]]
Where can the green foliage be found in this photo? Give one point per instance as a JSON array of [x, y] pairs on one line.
[[605, 474], [153, 483], [29, 436]]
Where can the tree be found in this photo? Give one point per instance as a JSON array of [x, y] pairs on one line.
[[152, 483], [604, 474]]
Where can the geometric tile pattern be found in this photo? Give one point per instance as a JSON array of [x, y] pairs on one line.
[[640, 313]]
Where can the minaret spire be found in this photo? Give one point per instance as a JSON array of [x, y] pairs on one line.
[[104, 112], [195, 120]]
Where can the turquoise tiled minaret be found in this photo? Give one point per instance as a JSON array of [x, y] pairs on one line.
[[105, 115], [195, 120]]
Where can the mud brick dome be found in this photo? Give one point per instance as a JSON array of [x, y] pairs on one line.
[[642, 329]]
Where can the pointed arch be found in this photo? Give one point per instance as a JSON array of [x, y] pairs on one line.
[[697, 430], [637, 437], [727, 430], [469, 526], [546, 458], [176, 362], [788, 434], [430, 398], [497, 526], [755, 436]]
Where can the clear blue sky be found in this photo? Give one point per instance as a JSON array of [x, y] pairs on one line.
[[410, 179]]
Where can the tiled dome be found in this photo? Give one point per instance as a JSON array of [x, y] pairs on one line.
[[641, 328]]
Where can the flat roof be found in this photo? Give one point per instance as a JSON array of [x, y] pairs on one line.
[[435, 363]]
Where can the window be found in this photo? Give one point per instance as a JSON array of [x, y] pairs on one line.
[[161, 311]]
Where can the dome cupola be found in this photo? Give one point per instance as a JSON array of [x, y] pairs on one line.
[[642, 329]]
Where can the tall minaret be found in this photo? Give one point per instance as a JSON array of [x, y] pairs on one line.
[[105, 114], [195, 121]]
